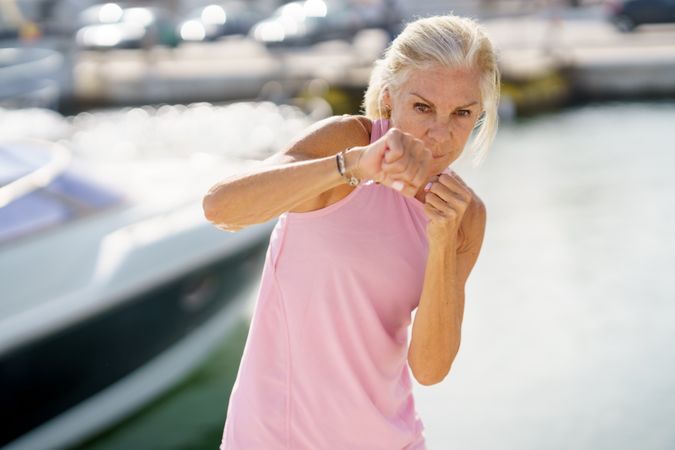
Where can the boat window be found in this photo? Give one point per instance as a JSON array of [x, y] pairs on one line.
[[69, 196]]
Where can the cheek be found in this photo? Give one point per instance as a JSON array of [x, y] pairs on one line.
[[411, 125], [465, 130]]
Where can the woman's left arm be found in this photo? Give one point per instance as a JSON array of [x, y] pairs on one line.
[[455, 234]]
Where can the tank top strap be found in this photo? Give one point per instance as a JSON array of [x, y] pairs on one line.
[[380, 127]]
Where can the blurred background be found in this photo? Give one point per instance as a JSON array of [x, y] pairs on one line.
[[123, 313]]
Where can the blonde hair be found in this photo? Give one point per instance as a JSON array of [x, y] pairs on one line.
[[451, 41]]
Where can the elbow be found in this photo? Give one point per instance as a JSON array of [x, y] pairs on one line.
[[210, 211], [430, 378], [213, 215], [428, 375]]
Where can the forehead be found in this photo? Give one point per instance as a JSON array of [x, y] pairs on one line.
[[444, 86]]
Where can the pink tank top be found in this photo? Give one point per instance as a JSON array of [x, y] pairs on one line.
[[325, 362]]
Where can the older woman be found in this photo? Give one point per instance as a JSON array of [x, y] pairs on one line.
[[372, 224]]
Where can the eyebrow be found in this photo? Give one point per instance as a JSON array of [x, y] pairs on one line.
[[475, 102]]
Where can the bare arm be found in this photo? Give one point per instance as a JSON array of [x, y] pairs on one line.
[[437, 329], [293, 178]]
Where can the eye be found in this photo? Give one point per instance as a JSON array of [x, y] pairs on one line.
[[464, 113], [421, 107]]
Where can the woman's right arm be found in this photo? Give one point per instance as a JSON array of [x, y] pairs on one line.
[[288, 179]]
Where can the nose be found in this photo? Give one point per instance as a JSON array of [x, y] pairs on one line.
[[440, 131]]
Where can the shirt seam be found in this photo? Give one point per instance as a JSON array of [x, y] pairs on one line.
[[277, 285]]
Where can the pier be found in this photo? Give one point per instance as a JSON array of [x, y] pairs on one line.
[[545, 61]]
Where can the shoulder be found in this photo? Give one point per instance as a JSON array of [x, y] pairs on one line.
[[339, 127], [326, 138], [476, 209]]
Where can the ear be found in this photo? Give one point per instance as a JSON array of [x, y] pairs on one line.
[[386, 97]]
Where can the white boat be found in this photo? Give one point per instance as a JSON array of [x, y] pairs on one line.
[[113, 286]]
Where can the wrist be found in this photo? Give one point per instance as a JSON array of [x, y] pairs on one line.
[[441, 236], [352, 160]]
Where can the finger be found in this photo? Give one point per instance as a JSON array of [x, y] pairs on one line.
[[410, 188], [470, 192], [455, 187], [402, 186], [419, 177], [431, 212], [404, 143], [430, 183], [456, 176], [433, 179], [396, 149], [463, 187], [407, 189], [454, 203], [398, 166], [413, 167], [437, 202], [445, 209], [449, 202], [393, 182], [441, 190]]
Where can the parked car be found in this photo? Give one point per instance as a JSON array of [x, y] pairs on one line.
[[8, 30], [627, 15], [210, 22], [111, 25], [310, 21]]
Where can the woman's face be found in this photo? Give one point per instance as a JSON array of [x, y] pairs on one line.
[[439, 106]]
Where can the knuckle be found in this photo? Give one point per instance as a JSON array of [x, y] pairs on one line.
[[407, 136]]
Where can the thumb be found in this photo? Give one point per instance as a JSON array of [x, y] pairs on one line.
[[394, 146], [380, 147], [432, 180]]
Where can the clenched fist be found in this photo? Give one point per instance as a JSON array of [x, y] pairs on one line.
[[397, 160], [446, 202]]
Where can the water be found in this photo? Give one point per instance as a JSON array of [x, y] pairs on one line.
[[568, 336], [569, 328]]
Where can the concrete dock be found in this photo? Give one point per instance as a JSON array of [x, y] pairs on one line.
[[543, 59]]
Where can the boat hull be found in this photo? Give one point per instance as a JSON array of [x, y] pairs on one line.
[[45, 379]]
